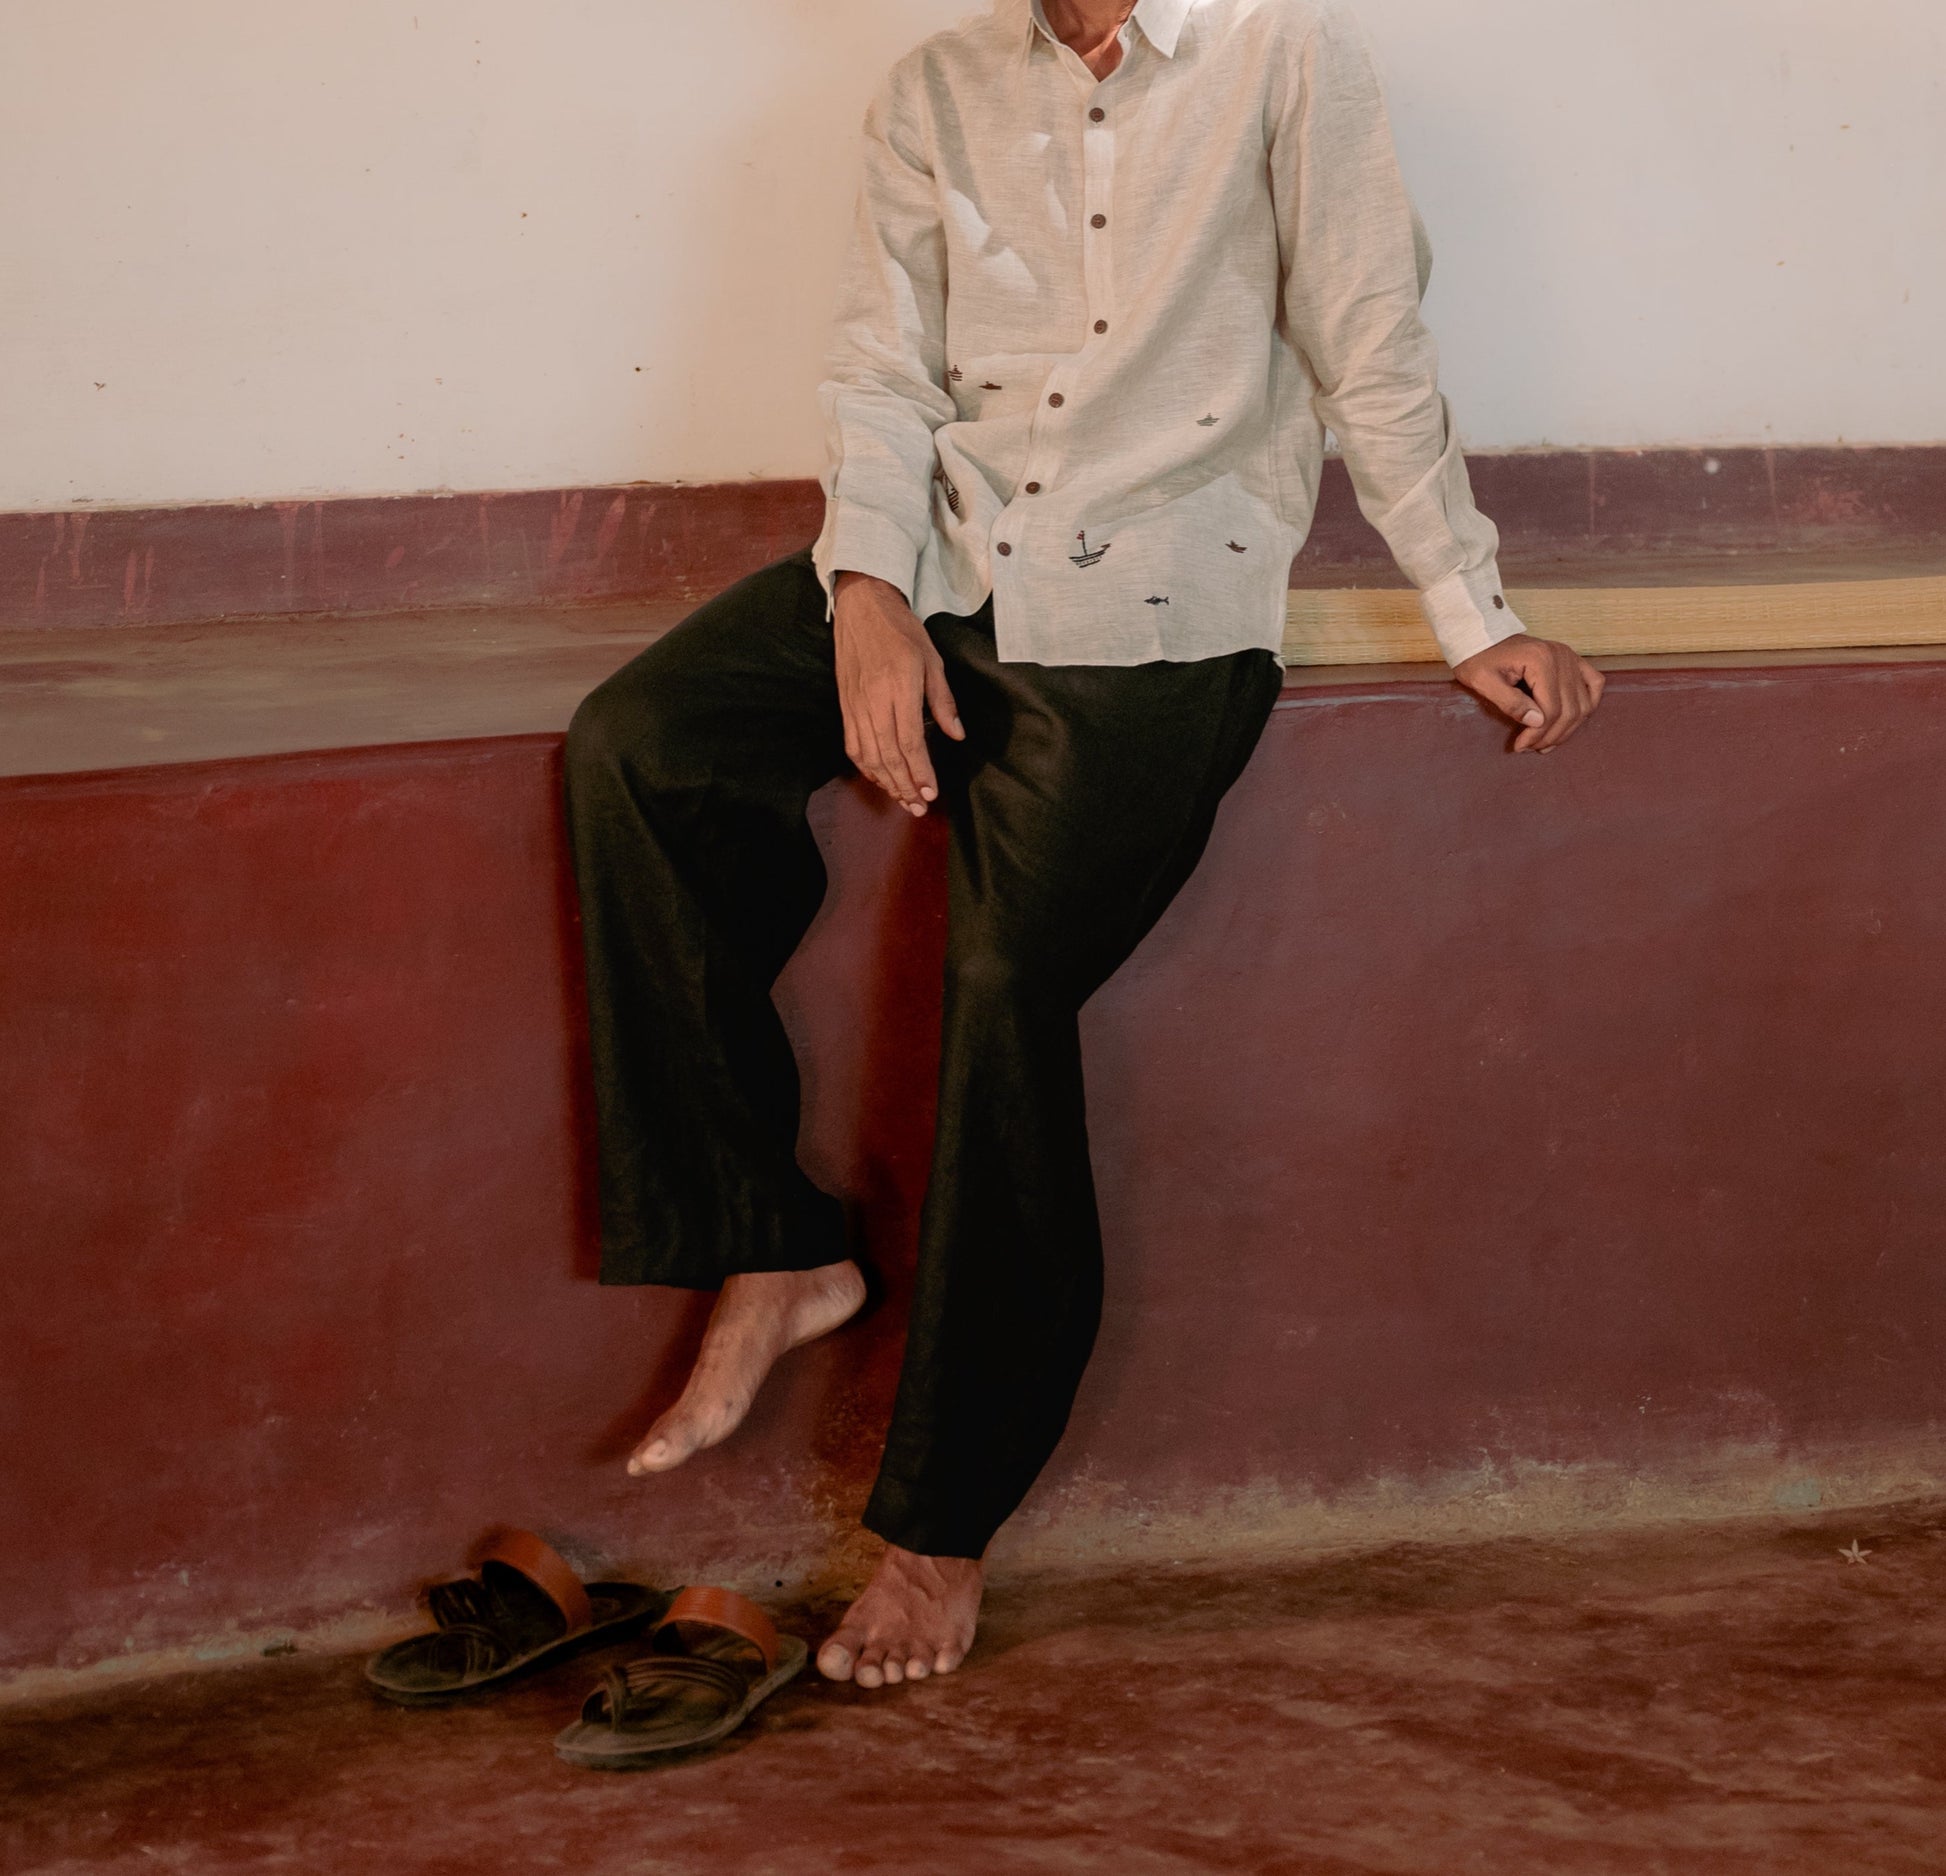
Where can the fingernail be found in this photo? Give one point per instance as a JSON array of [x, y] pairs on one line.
[[929, 794], [1533, 719]]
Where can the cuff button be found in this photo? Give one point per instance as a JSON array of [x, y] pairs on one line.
[[1501, 603]]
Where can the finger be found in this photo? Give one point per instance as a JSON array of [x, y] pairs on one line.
[[872, 763], [1574, 707], [1508, 698], [862, 747], [939, 700], [912, 746], [885, 727], [1577, 703], [1547, 693]]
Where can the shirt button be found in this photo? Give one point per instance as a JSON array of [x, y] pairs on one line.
[[1101, 325], [1003, 548], [1097, 221], [1096, 115], [1033, 488], [1056, 399]]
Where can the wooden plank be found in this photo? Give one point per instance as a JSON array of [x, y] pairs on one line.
[[1384, 626]]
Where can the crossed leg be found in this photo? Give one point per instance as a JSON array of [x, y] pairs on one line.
[[1079, 804]]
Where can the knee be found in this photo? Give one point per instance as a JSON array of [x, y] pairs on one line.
[[627, 728], [986, 971]]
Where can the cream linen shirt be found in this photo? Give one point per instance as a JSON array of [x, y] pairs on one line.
[[1091, 335]]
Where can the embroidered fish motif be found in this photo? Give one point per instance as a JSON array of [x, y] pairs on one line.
[[1155, 599], [1203, 423], [954, 372], [1236, 547], [991, 386], [1089, 555], [946, 482]]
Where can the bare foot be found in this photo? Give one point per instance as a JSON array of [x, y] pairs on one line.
[[757, 1318], [916, 1617]]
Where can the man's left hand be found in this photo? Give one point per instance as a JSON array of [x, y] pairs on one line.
[[1562, 688]]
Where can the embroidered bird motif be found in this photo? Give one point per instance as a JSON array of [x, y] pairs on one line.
[[1236, 547], [991, 386], [1155, 599], [1203, 423]]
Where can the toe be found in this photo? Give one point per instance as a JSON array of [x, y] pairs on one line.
[[947, 1659], [835, 1660], [917, 1667], [870, 1668], [893, 1669]]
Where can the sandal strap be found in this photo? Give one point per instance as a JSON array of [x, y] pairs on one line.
[[709, 1607], [647, 1681], [482, 1649], [544, 1566], [461, 1603]]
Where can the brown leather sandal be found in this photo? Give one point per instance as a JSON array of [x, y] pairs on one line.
[[713, 1659], [525, 1609]]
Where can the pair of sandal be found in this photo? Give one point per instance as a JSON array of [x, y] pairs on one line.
[[713, 1656]]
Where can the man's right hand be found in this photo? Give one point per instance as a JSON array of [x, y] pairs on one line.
[[889, 675]]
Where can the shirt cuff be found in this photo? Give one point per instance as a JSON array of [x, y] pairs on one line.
[[1468, 611], [861, 540]]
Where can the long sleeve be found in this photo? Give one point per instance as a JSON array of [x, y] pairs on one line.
[[884, 395], [1356, 262]]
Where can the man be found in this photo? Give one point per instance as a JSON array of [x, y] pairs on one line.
[[1115, 268]]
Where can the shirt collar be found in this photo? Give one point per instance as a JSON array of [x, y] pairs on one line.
[[1161, 22]]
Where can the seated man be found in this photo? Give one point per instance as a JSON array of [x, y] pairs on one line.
[[1114, 270]]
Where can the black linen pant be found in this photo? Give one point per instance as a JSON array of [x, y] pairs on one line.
[[1078, 804]]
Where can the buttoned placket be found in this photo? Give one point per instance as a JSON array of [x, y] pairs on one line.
[[1044, 453]]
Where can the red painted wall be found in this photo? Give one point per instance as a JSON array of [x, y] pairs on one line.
[[1580, 1108]]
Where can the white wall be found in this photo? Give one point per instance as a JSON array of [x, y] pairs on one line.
[[254, 249]]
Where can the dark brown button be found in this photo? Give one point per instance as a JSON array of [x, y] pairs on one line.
[[1097, 221], [1003, 548], [1101, 325], [1056, 399], [1033, 488], [1498, 601], [1096, 115]]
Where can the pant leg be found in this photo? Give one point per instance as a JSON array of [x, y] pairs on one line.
[[1083, 803], [688, 773]]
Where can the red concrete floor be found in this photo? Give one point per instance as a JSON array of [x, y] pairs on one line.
[[1729, 1699]]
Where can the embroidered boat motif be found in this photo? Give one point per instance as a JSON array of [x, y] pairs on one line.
[[1236, 547], [1155, 599], [1089, 555], [946, 482], [954, 373], [991, 386], [1203, 423]]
